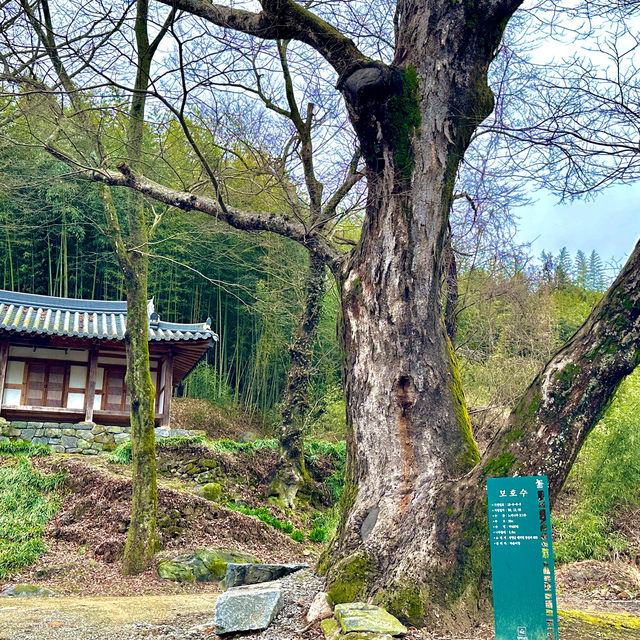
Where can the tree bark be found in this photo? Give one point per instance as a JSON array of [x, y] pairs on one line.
[[450, 289], [291, 473], [409, 435], [141, 537], [141, 542]]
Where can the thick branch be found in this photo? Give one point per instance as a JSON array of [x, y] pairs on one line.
[[566, 400], [237, 218], [284, 20]]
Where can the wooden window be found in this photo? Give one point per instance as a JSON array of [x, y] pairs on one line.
[[114, 391], [45, 385]]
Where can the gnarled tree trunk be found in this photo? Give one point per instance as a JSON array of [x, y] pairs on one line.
[[291, 473], [414, 535]]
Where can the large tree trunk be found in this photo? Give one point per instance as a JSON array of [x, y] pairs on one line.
[[413, 535], [291, 473], [414, 532], [141, 538]]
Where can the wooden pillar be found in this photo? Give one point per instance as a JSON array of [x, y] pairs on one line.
[[168, 388], [90, 393], [4, 356]]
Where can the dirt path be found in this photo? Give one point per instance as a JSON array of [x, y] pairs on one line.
[[190, 617], [74, 618]]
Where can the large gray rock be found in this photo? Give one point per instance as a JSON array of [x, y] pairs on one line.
[[248, 608], [202, 565], [239, 574], [26, 591], [362, 617]]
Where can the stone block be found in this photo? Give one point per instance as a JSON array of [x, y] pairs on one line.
[[320, 608], [25, 591], [97, 446], [201, 565], [27, 434], [73, 450], [68, 431], [69, 442], [115, 429], [53, 441], [34, 425], [52, 432], [98, 429], [85, 426], [83, 444], [57, 448], [242, 574], [90, 452], [249, 608], [119, 438], [166, 432], [40, 440], [52, 425], [40, 432], [19, 424]]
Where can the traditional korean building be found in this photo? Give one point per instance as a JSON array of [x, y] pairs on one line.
[[62, 360]]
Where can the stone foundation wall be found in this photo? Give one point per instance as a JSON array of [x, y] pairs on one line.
[[66, 437]]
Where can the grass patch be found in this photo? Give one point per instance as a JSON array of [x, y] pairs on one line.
[[324, 525], [28, 500], [231, 446], [122, 453], [606, 480], [16, 447], [263, 513]]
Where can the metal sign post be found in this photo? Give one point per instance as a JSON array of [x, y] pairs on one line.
[[524, 592]]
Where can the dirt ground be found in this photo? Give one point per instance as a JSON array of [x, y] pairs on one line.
[[600, 601], [190, 617]]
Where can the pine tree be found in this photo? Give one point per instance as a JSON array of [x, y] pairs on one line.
[[595, 272], [546, 257], [580, 269], [563, 269]]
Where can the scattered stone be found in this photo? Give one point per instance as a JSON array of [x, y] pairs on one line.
[[248, 608], [202, 565], [26, 591], [320, 608], [241, 574], [362, 617]]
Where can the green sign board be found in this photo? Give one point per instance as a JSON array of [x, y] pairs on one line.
[[524, 592]]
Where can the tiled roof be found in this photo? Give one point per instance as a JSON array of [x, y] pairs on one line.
[[46, 315]]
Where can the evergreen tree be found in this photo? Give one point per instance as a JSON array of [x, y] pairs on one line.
[[563, 269], [580, 269], [595, 272], [546, 257]]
